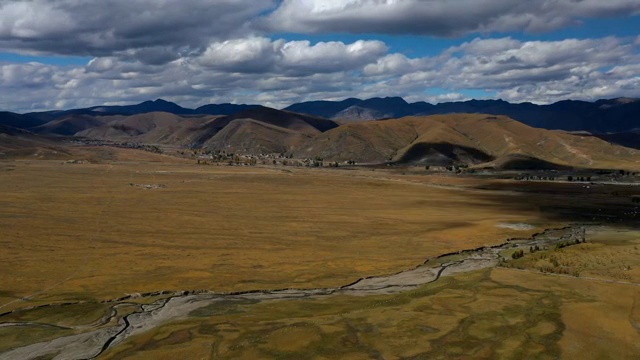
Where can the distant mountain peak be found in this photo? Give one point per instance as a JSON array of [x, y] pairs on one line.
[[163, 101], [387, 100]]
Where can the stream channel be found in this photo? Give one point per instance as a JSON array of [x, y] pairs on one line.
[[99, 336]]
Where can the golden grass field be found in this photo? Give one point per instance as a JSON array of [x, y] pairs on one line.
[[490, 314], [74, 232], [80, 231]]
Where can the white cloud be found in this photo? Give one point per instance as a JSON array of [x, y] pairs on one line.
[[259, 54], [538, 71], [278, 73], [255, 54], [326, 57], [448, 97], [395, 64]]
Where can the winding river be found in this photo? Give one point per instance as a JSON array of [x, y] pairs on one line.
[[100, 336]]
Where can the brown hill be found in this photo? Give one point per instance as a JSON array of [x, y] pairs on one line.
[[251, 136], [72, 124], [472, 139], [466, 138], [257, 130], [18, 143], [260, 130], [302, 123], [152, 128]]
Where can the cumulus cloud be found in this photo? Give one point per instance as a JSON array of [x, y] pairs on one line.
[[326, 57], [154, 32], [249, 55], [438, 17], [396, 64], [259, 54], [537, 71], [277, 73]]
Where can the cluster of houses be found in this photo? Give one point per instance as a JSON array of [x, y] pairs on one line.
[[222, 157]]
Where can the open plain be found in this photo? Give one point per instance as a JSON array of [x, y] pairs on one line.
[[87, 230], [125, 236], [293, 180]]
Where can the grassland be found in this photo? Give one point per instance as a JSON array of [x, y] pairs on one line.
[[609, 255], [94, 231], [82, 232], [491, 314]]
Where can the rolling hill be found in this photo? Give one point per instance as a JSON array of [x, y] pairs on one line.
[[299, 122], [150, 128], [479, 140], [19, 143], [260, 130], [256, 137], [257, 130], [69, 125], [472, 139]]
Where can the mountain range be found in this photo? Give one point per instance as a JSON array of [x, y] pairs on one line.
[[377, 130], [602, 116]]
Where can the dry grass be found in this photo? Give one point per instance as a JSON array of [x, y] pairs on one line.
[[490, 314], [75, 232], [82, 232], [601, 319], [608, 254], [469, 315]]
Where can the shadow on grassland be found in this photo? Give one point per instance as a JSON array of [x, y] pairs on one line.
[[567, 202]]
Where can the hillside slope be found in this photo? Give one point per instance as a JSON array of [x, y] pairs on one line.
[[69, 125], [257, 130], [19, 143], [255, 137], [472, 139], [273, 121], [151, 128], [465, 138]]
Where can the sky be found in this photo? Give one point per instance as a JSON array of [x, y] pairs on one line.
[[62, 54]]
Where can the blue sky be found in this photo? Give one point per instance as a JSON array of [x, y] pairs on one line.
[[421, 45], [66, 54], [9, 57]]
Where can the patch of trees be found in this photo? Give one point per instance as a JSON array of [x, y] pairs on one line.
[[535, 178], [564, 244], [579, 178], [626, 173]]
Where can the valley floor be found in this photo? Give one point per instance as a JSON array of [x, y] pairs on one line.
[[84, 234]]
